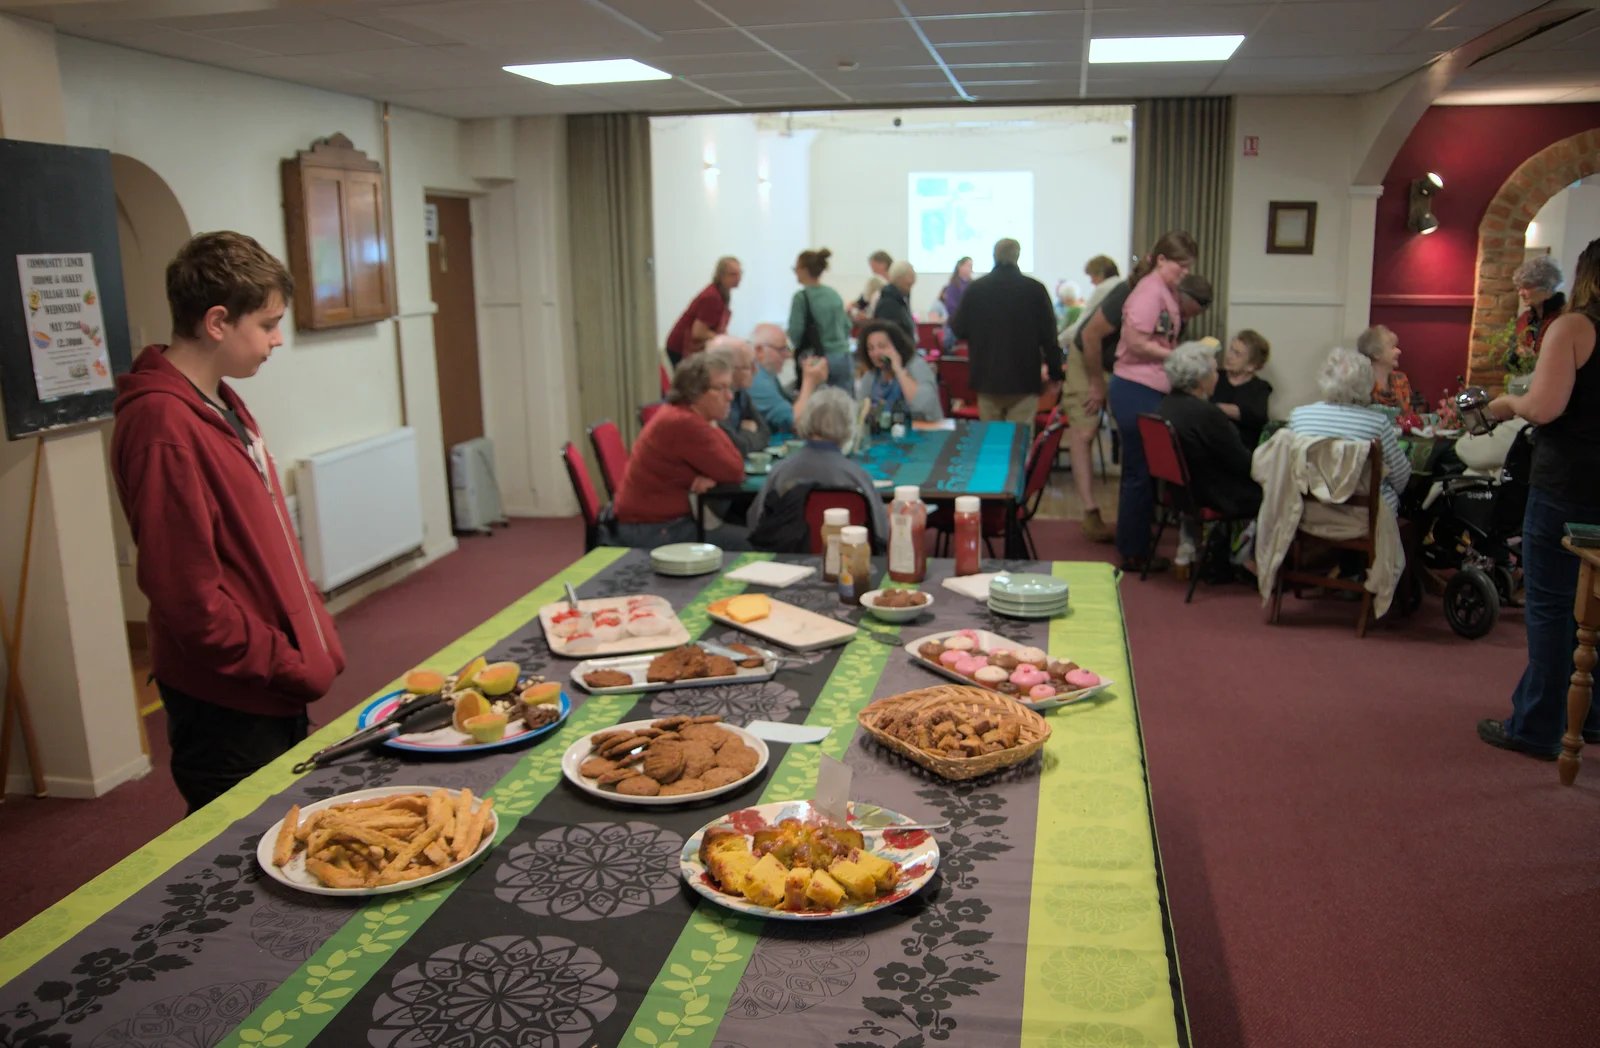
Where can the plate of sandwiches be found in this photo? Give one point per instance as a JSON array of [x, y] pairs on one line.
[[689, 666], [671, 760], [787, 861], [611, 626]]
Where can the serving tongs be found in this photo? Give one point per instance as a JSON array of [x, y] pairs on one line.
[[423, 713]]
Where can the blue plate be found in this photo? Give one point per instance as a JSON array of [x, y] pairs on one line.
[[383, 704]]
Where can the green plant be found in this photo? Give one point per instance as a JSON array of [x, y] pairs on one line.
[[1508, 351]]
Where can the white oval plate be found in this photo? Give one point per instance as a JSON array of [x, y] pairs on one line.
[[989, 641], [869, 601], [579, 752], [917, 852], [295, 876]]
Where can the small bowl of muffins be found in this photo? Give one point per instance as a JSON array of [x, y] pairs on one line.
[[1020, 671], [896, 605]]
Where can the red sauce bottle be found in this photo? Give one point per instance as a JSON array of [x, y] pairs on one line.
[[969, 533], [908, 529]]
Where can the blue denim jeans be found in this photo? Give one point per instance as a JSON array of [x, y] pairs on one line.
[[1136, 502], [649, 536], [1550, 576]]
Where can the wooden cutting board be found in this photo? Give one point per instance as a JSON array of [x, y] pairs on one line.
[[794, 628]]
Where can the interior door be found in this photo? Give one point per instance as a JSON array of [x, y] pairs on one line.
[[455, 325]]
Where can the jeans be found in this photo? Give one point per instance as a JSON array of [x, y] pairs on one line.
[[1136, 501], [649, 536], [1550, 576], [214, 747]]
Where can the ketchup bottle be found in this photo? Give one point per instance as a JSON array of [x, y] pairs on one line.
[[969, 533], [908, 526]]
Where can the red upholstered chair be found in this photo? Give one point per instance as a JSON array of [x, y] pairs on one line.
[[928, 336], [611, 453], [648, 412], [666, 381], [944, 399], [954, 373], [1164, 454], [819, 499], [583, 487]]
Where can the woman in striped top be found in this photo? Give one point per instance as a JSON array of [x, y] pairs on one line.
[[1346, 383]]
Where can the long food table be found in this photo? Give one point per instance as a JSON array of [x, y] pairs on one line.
[[1045, 925], [986, 459]]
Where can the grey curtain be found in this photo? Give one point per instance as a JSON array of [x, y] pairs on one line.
[[1183, 179], [613, 292]]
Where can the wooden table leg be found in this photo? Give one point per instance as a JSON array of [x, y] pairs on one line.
[[1579, 695]]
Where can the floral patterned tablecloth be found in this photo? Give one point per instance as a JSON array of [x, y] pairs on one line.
[[1045, 925]]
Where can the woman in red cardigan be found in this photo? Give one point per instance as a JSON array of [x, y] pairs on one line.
[[681, 451]]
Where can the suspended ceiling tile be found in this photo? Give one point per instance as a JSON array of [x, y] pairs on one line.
[[315, 71], [1312, 45], [331, 36], [862, 39], [719, 65], [396, 27], [174, 44], [1040, 26], [977, 8], [665, 16], [1019, 51], [1180, 21], [766, 13], [246, 19]]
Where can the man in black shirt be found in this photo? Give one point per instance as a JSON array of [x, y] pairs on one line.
[[894, 300], [1009, 326]]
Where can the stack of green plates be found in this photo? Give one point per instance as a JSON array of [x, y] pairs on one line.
[[1027, 596], [686, 558]]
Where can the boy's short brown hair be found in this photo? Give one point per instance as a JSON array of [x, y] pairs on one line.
[[222, 269], [1256, 345], [1101, 267]]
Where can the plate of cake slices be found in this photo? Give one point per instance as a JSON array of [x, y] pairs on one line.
[[1019, 671]]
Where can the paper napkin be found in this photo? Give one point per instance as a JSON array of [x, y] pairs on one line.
[[771, 573], [974, 586]]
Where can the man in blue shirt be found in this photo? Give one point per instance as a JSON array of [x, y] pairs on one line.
[[766, 391]]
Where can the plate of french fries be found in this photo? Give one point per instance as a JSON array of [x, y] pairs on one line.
[[377, 841]]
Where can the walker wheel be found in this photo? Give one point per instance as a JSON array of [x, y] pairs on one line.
[[1471, 605]]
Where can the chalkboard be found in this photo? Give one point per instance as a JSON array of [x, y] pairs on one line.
[[58, 205]]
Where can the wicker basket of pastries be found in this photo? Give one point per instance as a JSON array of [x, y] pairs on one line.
[[956, 732]]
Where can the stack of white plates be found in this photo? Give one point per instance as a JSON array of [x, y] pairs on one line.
[[686, 558], [1027, 596]]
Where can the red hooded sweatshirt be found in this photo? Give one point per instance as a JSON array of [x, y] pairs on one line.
[[234, 618]]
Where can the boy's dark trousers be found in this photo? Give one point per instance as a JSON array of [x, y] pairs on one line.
[[214, 748]]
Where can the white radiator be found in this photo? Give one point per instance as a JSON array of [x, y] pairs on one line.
[[474, 494], [360, 507]]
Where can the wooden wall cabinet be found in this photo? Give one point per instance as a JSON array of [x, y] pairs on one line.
[[338, 232]]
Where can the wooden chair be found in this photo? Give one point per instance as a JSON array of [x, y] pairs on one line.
[[1164, 454], [611, 453], [1296, 578], [1586, 609], [583, 487], [820, 499]]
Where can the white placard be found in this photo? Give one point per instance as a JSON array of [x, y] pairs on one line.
[[430, 223], [61, 300]]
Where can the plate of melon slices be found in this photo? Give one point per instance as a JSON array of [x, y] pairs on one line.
[[494, 706]]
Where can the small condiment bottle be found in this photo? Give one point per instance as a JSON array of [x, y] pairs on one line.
[[855, 564], [908, 526], [833, 522], [969, 533]]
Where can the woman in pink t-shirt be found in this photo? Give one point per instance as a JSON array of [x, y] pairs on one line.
[[1150, 323]]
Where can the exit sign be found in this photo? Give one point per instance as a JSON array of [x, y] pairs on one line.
[[1252, 145]]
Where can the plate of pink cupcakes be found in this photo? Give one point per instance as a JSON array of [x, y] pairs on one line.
[[997, 664]]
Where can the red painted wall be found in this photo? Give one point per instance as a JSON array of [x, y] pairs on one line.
[[1422, 286]]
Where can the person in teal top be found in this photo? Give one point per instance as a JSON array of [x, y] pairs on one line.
[[772, 351], [817, 320]]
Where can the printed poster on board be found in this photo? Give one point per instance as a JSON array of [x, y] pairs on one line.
[[61, 301]]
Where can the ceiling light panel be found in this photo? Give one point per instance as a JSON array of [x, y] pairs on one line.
[[1163, 49], [601, 71]]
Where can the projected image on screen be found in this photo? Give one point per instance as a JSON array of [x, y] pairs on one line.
[[956, 213]]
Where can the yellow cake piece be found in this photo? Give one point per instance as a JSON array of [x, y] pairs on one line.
[[748, 607], [884, 873], [764, 883], [794, 888], [858, 883], [826, 892], [731, 867]]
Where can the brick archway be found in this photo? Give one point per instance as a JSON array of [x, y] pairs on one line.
[[1502, 235]]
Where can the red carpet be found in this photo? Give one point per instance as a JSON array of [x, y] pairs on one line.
[[1346, 863]]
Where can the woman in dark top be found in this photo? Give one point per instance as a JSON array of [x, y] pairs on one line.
[[1564, 487], [1219, 463], [1536, 281], [1240, 394]]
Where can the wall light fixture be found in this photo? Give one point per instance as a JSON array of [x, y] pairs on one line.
[[1421, 218]]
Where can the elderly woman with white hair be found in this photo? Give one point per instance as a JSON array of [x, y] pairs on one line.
[[1538, 281], [1390, 386], [1219, 463], [894, 301], [1346, 382], [826, 425]]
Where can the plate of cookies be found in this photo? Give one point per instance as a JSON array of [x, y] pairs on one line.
[[671, 760], [689, 666], [1018, 671]]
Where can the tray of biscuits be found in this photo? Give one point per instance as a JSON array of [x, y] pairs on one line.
[[689, 666], [672, 760]]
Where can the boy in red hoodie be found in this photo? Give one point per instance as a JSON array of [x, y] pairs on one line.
[[239, 639]]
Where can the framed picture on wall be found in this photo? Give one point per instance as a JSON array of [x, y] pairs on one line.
[[1291, 227]]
